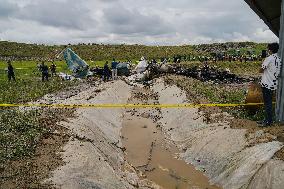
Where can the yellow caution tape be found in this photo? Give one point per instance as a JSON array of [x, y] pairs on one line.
[[129, 105]]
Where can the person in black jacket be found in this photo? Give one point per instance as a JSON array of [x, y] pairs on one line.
[[53, 69], [11, 73], [106, 72], [44, 71]]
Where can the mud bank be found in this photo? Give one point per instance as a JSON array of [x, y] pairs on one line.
[[98, 156], [222, 153], [149, 151], [96, 160]]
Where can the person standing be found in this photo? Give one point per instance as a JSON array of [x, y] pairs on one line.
[[44, 71], [11, 73], [270, 70], [53, 69], [114, 69], [106, 72]]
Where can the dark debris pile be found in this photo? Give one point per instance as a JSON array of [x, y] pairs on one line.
[[211, 74], [205, 73]]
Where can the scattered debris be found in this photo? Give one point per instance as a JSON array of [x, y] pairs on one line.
[[64, 76]]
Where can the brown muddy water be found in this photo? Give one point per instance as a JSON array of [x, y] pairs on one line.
[[151, 153]]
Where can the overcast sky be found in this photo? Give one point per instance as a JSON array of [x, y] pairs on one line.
[[150, 22]]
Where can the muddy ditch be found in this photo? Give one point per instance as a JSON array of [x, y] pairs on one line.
[[102, 161], [149, 151]]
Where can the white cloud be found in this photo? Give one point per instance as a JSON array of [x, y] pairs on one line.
[[159, 22], [264, 35]]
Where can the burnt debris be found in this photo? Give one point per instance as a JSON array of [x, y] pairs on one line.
[[211, 74], [205, 73]]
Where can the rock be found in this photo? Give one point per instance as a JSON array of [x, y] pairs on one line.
[[132, 179]]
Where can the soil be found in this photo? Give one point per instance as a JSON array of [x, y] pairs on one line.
[[275, 132], [31, 171]]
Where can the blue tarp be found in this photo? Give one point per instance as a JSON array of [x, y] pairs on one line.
[[78, 66]]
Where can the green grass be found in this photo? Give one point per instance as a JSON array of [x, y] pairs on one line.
[[254, 115], [241, 68], [95, 52], [29, 89], [123, 52], [28, 85], [198, 91], [19, 133], [28, 69]]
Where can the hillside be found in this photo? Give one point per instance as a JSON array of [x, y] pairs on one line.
[[97, 52]]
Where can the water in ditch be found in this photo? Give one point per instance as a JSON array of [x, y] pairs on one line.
[[149, 152]]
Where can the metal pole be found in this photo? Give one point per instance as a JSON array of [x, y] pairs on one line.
[[280, 91]]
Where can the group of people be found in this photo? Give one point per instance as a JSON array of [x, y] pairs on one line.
[[43, 68], [111, 72], [107, 72]]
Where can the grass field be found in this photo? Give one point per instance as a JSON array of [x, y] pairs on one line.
[[21, 131], [123, 52], [18, 134], [28, 85]]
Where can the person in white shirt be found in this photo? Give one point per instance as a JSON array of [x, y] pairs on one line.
[[270, 70]]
